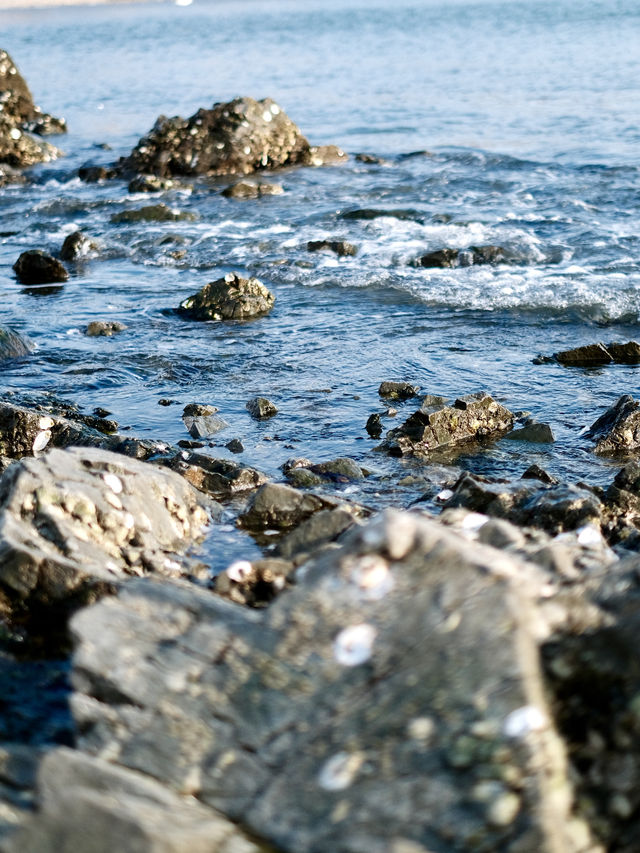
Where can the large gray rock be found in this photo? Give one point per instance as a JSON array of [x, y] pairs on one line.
[[87, 805], [229, 298], [393, 701], [618, 429], [235, 138], [471, 418], [80, 521]]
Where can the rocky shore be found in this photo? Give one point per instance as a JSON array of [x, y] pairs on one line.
[[460, 677]]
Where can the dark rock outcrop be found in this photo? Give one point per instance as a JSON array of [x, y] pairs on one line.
[[618, 429], [341, 247], [398, 390], [36, 267], [16, 101], [471, 418], [235, 138], [595, 355], [229, 298], [473, 256], [537, 433]]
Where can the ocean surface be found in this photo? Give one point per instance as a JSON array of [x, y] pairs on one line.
[[514, 123]]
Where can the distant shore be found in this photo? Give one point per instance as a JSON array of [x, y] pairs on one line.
[[51, 4]]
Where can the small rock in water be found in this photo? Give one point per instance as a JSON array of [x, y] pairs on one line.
[[36, 267], [229, 298], [326, 155], [374, 425], [76, 245], [370, 159], [150, 184], [261, 408], [235, 446], [398, 390], [473, 256], [92, 174], [340, 247], [104, 328], [13, 345], [534, 432], [152, 213], [252, 189], [535, 472], [618, 429], [202, 421], [592, 355], [628, 353]]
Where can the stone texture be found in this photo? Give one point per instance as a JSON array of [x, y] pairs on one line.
[[534, 432], [591, 355], [19, 150], [151, 184], [471, 418], [87, 805], [218, 478], [77, 245], [202, 420], [393, 700], [261, 408], [104, 328], [229, 298], [278, 506], [13, 344], [16, 101], [79, 521], [618, 429], [398, 390], [36, 267], [234, 138]]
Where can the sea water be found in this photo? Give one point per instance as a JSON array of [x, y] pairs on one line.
[[514, 123]]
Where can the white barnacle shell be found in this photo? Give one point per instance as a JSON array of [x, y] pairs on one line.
[[41, 440], [371, 574], [354, 644], [523, 721], [114, 483], [239, 571], [339, 771]]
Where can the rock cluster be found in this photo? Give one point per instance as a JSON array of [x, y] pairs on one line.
[[473, 256]]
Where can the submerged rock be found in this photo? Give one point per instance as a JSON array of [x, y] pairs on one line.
[[36, 267], [261, 408], [326, 155], [252, 189], [618, 429], [368, 213], [398, 390], [471, 418], [104, 328], [76, 522], [202, 421], [341, 247], [77, 245], [587, 356], [229, 298], [150, 184], [13, 344], [153, 213], [239, 137], [398, 681], [92, 174], [534, 432], [473, 256]]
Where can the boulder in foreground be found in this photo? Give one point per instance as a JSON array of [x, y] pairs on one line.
[[398, 682], [229, 298], [235, 138]]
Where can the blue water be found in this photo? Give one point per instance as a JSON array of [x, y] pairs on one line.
[[527, 115]]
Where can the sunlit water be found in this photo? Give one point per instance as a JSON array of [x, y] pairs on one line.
[[523, 119]]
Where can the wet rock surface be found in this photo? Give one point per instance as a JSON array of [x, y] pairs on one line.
[[218, 478], [238, 137], [36, 267], [229, 298], [13, 344], [104, 328], [261, 408], [473, 256], [596, 355], [152, 213], [202, 420], [340, 247], [77, 245], [471, 418], [618, 429], [319, 708], [16, 101], [252, 189], [398, 390]]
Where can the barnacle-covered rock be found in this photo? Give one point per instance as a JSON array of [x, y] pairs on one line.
[[229, 298]]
